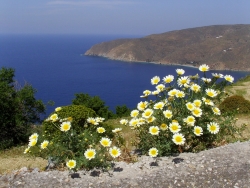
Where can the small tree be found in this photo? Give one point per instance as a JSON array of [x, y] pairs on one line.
[[18, 109], [122, 111], [95, 103]]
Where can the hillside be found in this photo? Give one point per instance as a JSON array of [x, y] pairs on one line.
[[220, 46]]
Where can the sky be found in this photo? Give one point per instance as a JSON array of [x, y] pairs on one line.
[[123, 17]]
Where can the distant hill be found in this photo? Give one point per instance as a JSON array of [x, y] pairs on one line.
[[222, 47]]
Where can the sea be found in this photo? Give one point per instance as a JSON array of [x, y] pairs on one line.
[[56, 67]]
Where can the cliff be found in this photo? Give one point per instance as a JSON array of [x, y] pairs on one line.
[[220, 46]]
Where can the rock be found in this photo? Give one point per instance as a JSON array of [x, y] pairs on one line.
[[226, 166]]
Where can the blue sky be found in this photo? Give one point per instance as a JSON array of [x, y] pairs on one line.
[[130, 17]]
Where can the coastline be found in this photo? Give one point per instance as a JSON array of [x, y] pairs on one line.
[[167, 64]]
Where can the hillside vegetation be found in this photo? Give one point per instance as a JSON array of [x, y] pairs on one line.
[[242, 88], [13, 159], [221, 47]]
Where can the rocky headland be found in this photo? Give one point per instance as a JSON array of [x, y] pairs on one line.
[[222, 47]]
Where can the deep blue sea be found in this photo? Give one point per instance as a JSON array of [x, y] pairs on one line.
[[55, 67]]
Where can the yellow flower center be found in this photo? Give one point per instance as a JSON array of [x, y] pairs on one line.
[[159, 106], [114, 152], [212, 127], [196, 111], [105, 142], [134, 114], [71, 164], [190, 120], [100, 130], [134, 123], [178, 138], [154, 130], [183, 81], [65, 126], [163, 125], [174, 127], [153, 152], [197, 131], [168, 115], [44, 145], [90, 154], [203, 69], [210, 94], [150, 119], [168, 80], [174, 92], [190, 106], [33, 142]]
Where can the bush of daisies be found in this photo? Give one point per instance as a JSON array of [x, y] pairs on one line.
[[95, 145], [183, 114]]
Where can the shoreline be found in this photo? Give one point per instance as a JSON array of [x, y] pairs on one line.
[[159, 63]]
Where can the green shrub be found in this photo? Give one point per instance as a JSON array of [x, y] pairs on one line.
[[184, 115], [235, 102], [79, 113], [122, 111], [95, 103], [73, 137], [18, 110]]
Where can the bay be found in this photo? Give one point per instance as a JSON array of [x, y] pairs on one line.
[[55, 67]]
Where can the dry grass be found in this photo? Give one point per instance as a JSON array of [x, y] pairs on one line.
[[242, 88], [14, 159], [128, 135], [129, 138], [244, 119]]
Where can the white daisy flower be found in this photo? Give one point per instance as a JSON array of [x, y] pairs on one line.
[[204, 68], [160, 87], [180, 71], [216, 75], [174, 127], [159, 105], [168, 79], [216, 111], [155, 80], [229, 78], [147, 113], [213, 127], [178, 139], [168, 114], [153, 152], [198, 131], [183, 80], [154, 130], [142, 105], [211, 93], [124, 122], [206, 80], [195, 87], [134, 113]]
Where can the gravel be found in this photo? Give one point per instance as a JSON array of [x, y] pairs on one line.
[[225, 166]]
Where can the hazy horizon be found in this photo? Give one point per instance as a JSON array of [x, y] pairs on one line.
[[117, 17]]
